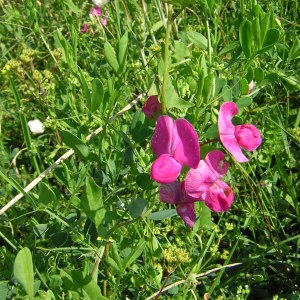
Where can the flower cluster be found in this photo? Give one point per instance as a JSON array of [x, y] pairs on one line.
[[176, 144], [95, 12]]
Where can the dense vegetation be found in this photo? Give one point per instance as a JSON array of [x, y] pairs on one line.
[[95, 225]]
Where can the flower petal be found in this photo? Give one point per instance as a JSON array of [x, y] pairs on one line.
[[199, 180], [215, 160], [165, 169], [219, 197], [170, 192], [152, 107], [187, 212], [227, 131], [185, 144], [161, 142], [248, 136]]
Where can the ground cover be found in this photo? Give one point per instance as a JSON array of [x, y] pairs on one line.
[[150, 149]]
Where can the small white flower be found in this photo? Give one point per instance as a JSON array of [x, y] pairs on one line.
[[100, 2], [36, 126]]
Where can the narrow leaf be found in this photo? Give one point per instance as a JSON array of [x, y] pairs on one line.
[[97, 94], [134, 254], [111, 58], [246, 37], [122, 52], [162, 214]]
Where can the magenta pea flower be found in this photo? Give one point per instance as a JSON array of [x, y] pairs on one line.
[[233, 137], [204, 182], [175, 144], [174, 193], [85, 28], [152, 107], [96, 11], [104, 20]]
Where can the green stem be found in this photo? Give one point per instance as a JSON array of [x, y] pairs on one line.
[[24, 126], [166, 60]]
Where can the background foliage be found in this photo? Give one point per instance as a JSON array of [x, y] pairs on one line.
[[95, 226]]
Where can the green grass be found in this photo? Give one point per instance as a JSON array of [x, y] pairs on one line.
[[94, 224]]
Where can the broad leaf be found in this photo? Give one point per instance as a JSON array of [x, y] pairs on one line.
[[198, 39], [92, 202], [75, 280], [23, 271], [72, 141], [137, 207], [46, 195]]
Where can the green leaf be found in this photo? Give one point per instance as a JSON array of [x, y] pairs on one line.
[[198, 39], [204, 216], [244, 102], [208, 87], [259, 75], [173, 98], [85, 89], [113, 264], [137, 207], [271, 38], [181, 50], [246, 37], [23, 271], [244, 86], [134, 254], [92, 202], [295, 50], [212, 132], [144, 181], [72, 141], [250, 74], [229, 48], [46, 194], [122, 52], [111, 58], [97, 94], [75, 280], [264, 26], [4, 290], [256, 32], [162, 214]]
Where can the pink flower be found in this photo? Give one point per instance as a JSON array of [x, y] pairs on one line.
[[104, 21], [96, 11], [174, 193], [85, 28], [175, 144], [251, 86], [152, 107], [204, 182], [233, 137]]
